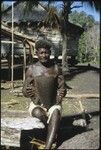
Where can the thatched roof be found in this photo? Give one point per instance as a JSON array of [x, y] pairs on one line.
[[37, 13]]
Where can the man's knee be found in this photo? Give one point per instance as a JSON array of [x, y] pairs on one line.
[[54, 116], [39, 113], [56, 113], [36, 112]]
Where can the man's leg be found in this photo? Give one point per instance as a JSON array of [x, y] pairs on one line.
[[38, 112], [53, 128]]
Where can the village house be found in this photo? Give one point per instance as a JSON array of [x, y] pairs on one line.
[[32, 24]]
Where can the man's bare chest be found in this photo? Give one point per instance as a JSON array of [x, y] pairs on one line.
[[43, 71]]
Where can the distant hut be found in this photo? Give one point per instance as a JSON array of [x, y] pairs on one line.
[[24, 19], [30, 22]]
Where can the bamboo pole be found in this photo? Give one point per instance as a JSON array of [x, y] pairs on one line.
[[8, 42], [12, 75], [9, 64], [24, 66]]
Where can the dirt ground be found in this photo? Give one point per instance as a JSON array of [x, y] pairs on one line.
[[84, 79]]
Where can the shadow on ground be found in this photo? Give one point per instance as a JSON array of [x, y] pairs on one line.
[[79, 69], [68, 130]]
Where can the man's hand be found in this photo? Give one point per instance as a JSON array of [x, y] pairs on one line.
[[30, 91], [29, 87], [60, 94]]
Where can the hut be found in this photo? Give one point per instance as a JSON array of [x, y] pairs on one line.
[[32, 24]]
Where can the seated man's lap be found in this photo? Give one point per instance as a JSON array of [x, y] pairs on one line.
[[48, 112]]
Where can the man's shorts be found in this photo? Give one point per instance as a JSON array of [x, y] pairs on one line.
[[48, 112]]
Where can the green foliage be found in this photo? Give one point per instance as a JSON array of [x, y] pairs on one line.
[[81, 49], [88, 44], [88, 50], [82, 19]]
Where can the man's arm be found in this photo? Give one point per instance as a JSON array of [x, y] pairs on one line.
[[61, 91], [28, 85]]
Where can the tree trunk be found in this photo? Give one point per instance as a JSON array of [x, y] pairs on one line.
[[64, 31], [65, 67]]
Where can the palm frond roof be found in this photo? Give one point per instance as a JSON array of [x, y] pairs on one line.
[[37, 14], [20, 15]]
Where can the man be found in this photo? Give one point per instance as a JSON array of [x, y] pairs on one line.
[[44, 84]]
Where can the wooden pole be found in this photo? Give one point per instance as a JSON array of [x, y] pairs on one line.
[[24, 66], [9, 62], [8, 42], [12, 75]]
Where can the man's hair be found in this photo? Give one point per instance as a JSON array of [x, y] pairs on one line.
[[42, 44]]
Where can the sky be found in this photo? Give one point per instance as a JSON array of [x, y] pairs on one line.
[[85, 8], [90, 11]]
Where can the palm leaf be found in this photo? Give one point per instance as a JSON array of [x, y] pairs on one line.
[[52, 18]]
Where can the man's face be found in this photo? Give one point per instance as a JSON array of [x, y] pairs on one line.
[[43, 55]]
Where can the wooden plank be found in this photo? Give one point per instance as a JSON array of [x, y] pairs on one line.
[[4, 61], [8, 42], [17, 35], [82, 96]]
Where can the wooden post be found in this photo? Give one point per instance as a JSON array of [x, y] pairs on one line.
[[9, 65], [12, 76], [9, 62], [24, 66]]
